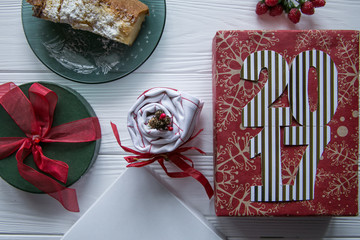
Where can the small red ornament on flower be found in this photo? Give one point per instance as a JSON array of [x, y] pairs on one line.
[[293, 8], [162, 116], [160, 121]]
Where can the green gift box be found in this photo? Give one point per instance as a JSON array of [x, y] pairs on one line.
[[79, 156]]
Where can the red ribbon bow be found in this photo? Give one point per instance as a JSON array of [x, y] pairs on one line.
[[175, 157], [35, 116]]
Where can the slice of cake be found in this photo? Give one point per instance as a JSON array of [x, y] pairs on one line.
[[119, 20]]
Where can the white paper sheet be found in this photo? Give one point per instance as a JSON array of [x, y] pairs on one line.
[[137, 207]]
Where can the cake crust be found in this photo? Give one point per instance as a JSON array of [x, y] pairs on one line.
[[119, 20], [133, 8], [130, 8], [38, 6]]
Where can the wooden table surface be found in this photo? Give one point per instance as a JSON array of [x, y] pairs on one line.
[[182, 60]]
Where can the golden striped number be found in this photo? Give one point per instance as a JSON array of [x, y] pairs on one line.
[[312, 130]]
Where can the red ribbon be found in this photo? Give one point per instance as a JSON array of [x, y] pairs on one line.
[[35, 117], [175, 157]]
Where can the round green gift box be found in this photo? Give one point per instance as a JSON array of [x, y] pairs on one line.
[[71, 106]]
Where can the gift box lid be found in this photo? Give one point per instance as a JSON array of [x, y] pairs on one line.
[[71, 106]]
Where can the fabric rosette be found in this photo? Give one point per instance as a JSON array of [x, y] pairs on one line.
[[160, 123], [182, 109]]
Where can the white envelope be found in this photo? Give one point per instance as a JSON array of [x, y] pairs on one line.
[[137, 206]]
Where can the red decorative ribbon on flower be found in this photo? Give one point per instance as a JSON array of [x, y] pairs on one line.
[[175, 157], [35, 117]]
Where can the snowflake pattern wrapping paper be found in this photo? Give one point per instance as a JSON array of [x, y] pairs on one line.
[[286, 122]]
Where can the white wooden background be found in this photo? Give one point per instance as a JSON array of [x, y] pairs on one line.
[[182, 60]]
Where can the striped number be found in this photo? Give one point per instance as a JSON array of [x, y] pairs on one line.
[[313, 131], [258, 113]]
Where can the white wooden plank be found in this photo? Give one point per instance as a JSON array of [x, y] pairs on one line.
[[282, 227], [190, 27], [35, 213], [29, 237], [27, 213], [119, 95], [15, 52], [182, 60]]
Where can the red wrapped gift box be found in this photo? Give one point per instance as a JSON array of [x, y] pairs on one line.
[[286, 117]]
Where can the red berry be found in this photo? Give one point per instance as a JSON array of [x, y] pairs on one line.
[[170, 128], [271, 3], [276, 10], [162, 116], [318, 3], [308, 8], [261, 8], [294, 15]]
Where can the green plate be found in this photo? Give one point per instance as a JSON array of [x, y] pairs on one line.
[[88, 58], [71, 106]]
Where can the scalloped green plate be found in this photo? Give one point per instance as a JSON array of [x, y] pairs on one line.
[[86, 57]]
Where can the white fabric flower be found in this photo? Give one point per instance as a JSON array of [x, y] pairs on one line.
[[183, 110]]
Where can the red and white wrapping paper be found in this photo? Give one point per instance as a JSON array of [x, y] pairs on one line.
[[286, 115]]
